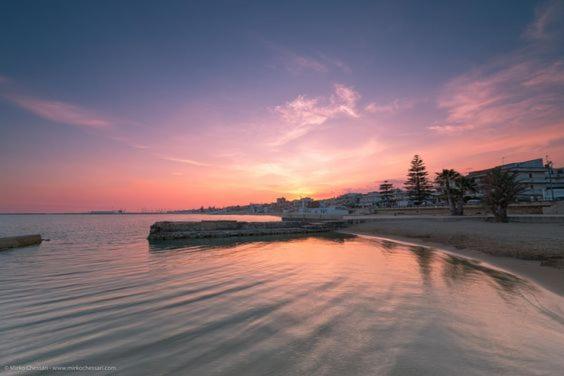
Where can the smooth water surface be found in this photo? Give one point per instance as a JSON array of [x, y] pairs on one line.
[[98, 294]]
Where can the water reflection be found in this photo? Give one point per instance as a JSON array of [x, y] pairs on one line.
[[389, 245], [327, 305], [457, 270], [461, 270], [233, 242], [424, 257]]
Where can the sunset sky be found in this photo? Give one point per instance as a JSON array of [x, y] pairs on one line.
[[178, 104]]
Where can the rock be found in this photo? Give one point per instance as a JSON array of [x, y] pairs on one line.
[[19, 241]]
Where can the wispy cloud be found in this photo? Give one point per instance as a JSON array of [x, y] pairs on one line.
[[74, 115], [322, 64], [298, 63], [60, 112], [514, 90], [293, 62], [393, 107], [551, 74], [334, 62], [70, 114], [129, 142], [303, 111], [548, 17], [303, 114], [184, 161]]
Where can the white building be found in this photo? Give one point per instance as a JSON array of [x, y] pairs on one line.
[[555, 184], [328, 211], [370, 199], [539, 179]]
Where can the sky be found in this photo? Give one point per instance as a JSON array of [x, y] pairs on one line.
[[178, 104]]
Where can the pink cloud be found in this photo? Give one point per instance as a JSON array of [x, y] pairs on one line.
[[303, 114], [450, 128], [61, 112], [304, 111], [514, 91], [344, 101]]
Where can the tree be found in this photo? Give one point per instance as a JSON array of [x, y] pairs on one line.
[[465, 186], [417, 184], [446, 183], [501, 188], [387, 193], [454, 187]]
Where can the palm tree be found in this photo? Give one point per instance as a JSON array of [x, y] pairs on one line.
[[501, 188], [446, 182], [454, 187], [464, 186]]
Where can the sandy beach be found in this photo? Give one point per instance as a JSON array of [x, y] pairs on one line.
[[532, 250]]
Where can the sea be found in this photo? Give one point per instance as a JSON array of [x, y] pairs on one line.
[[98, 298]]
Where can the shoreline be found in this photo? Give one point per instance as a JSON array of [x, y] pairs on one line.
[[549, 278]]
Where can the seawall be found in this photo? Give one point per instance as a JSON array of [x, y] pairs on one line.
[[354, 219], [222, 229]]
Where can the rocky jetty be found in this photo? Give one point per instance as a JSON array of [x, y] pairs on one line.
[[19, 241], [224, 229]]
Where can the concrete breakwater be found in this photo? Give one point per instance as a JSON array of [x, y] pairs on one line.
[[19, 241], [223, 229]]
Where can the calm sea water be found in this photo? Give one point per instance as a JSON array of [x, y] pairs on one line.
[[99, 295]]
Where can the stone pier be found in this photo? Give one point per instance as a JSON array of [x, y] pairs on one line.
[[223, 229]]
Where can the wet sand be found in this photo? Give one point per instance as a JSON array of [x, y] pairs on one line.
[[519, 248]]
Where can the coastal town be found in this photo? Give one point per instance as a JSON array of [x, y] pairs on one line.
[[542, 185]]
